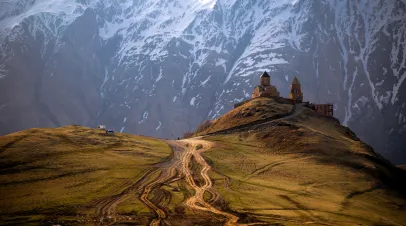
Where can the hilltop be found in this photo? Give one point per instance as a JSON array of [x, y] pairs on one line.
[[299, 166], [72, 173], [159, 67], [267, 162]]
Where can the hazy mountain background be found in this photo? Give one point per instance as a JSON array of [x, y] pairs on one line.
[[160, 67]]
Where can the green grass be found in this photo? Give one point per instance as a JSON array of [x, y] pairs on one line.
[[297, 185], [64, 172]]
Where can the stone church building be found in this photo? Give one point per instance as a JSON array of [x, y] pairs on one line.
[[265, 89]]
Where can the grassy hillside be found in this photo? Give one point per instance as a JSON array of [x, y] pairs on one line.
[[257, 109], [306, 169], [283, 165], [70, 172]]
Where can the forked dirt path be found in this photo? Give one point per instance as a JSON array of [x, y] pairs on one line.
[[197, 201], [153, 178], [195, 147], [162, 174], [170, 173]]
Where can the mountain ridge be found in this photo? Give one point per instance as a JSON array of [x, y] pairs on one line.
[[147, 65]]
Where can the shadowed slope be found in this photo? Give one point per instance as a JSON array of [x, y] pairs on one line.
[[305, 168]]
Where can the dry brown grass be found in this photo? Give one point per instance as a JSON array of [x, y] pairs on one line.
[[304, 169], [203, 126], [200, 128], [307, 169], [188, 135], [61, 174], [257, 109]]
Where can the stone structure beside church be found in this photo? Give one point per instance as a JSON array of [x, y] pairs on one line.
[[324, 109]]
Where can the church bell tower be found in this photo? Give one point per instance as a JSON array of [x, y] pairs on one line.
[[265, 79], [296, 91]]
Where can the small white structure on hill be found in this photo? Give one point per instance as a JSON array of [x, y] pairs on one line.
[[102, 127]]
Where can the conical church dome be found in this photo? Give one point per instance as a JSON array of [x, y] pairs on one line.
[[265, 75], [296, 81]]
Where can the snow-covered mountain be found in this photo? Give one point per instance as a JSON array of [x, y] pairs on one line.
[[159, 67]]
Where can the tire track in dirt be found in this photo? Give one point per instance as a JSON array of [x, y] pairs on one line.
[[165, 177], [274, 164], [170, 173], [197, 200], [105, 208], [11, 143], [173, 170], [162, 174]]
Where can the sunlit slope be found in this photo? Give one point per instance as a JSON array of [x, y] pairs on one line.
[[253, 111], [281, 164], [70, 172], [304, 169]]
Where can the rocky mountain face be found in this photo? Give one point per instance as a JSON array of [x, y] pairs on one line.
[[160, 67]]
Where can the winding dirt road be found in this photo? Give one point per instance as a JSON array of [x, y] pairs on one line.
[[192, 148], [197, 201], [170, 173], [179, 168], [186, 164]]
